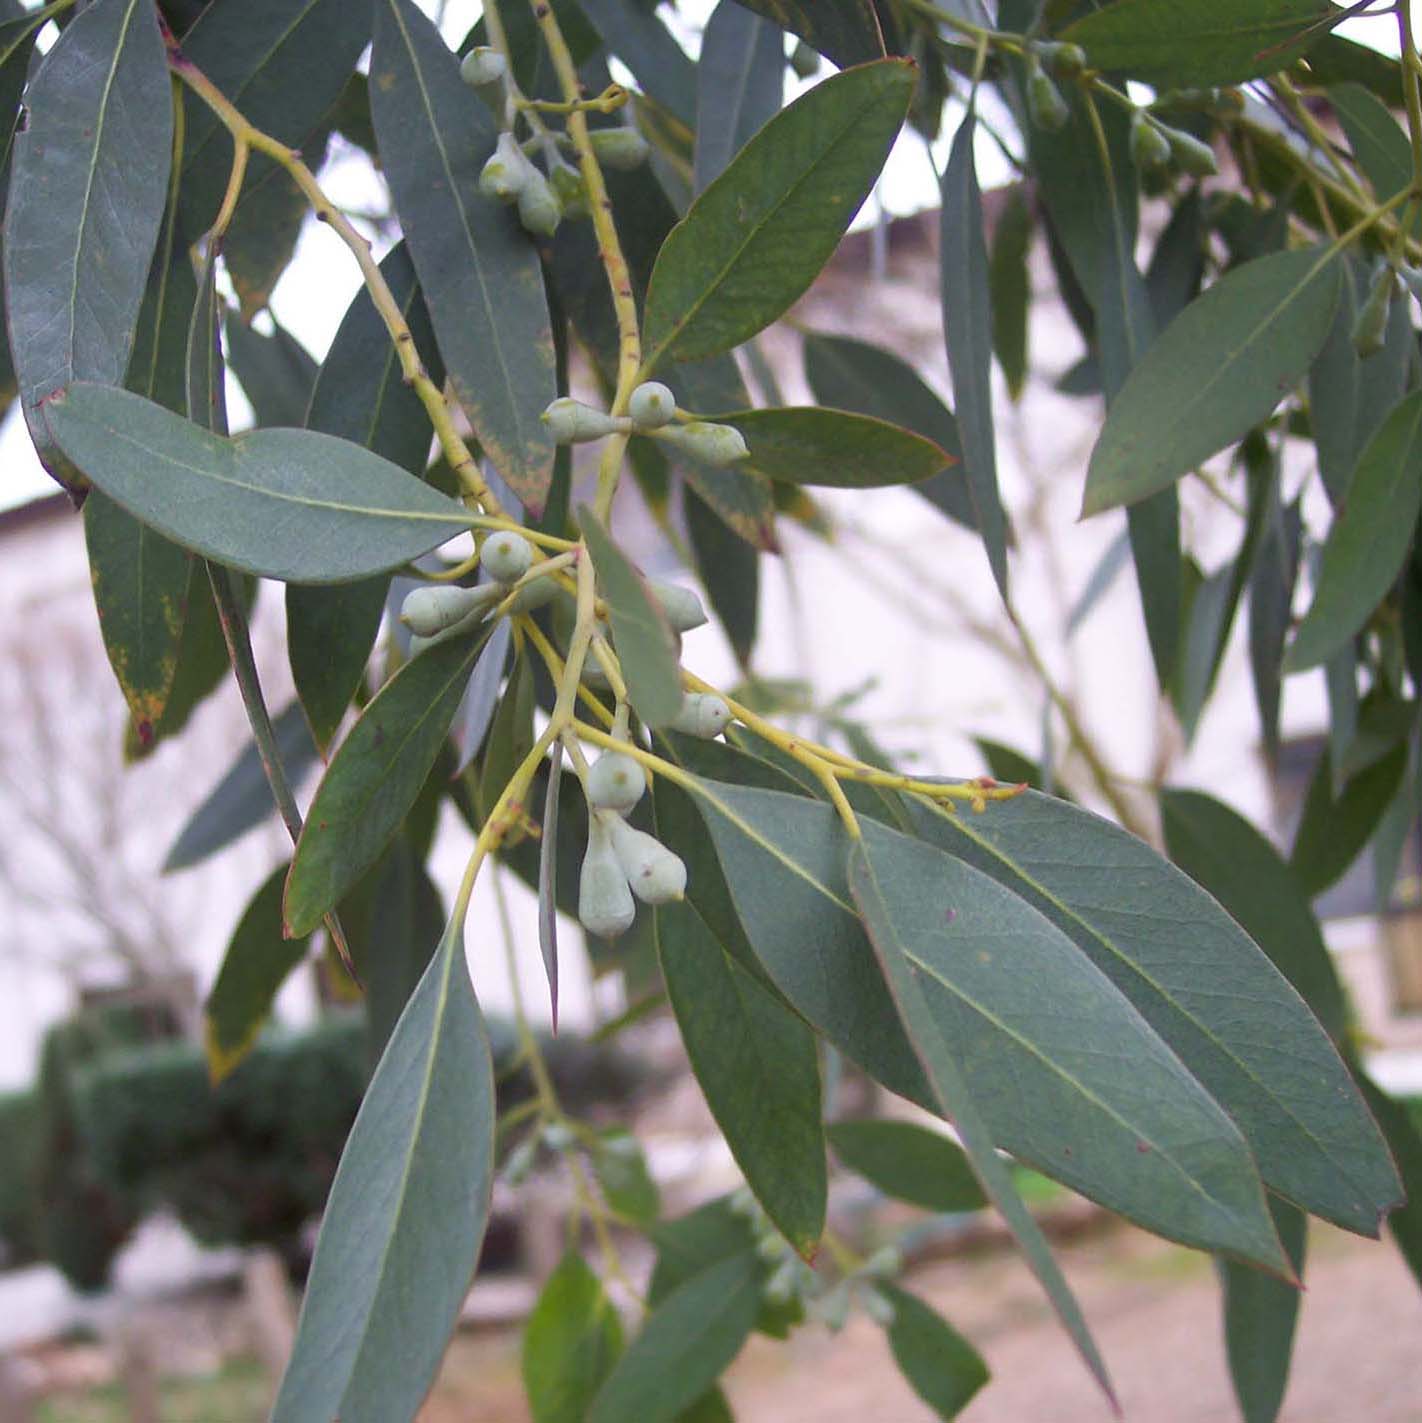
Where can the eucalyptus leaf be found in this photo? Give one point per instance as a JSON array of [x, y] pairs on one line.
[[288, 504], [740, 76], [643, 43], [909, 1162], [548, 881], [88, 185], [277, 372], [730, 569], [759, 235], [757, 1064], [943, 1368], [571, 1341], [1216, 371], [406, 1215], [846, 31], [374, 777]]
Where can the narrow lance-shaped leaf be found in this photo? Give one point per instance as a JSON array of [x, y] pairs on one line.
[[853, 375], [1369, 540], [571, 1341], [967, 328], [644, 44], [277, 372], [757, 1064], [685, 1342], [406, 1214], [1259, 1318], [846, 31], [909, 1162], [1404, 1138], [547, 881], [479, 269], [288, 504], [1041, 1076], [1203, 43], [645, 645], [1195, 976], [810, 445], [758, 236], [1334, 828], [256, 964], [943, 1368], [205, 383], [1010, 287], [730, 569], [374, 778], [242, 800], [883, 917], [87, 189], [1218, 370], [739, 78], [360, 394]]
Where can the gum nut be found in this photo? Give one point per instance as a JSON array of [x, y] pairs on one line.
[[535, 595], [711, 443], [507, 172], [538, 207], [1045, 105], [652, 405], [571, 190], [570, 421], [506, 556], [428, 611], [656, 875], [681, 605], [605, 904], [1191, 155], [702, 714], [622, 148], [482, 66], [616, 782], [1149, 147], [877, 1306]]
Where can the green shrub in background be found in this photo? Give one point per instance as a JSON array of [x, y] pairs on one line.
[[19, 1151]]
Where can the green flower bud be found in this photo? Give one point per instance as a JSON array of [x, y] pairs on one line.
[[506, 556], [1412, 276], [558, 1137], [833, 1309], [783, 1284], [654, 873], [622, 148], [804, 60], [616, 782], [570, 422], [710, 443], [1045, 105], [433, 610], [1149, 147], [520, 1161], [1066, 61], [570, 190], [483, 66], [772, 1246], [535, 595], [538, 207], [1370, 328], [682, 606], [1189, 154], [605, 904], [877, 1306], [885, 1263], [507, 172], [702, 714], [652, 405]]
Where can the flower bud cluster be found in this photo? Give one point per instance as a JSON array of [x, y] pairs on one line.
[[651, 410]]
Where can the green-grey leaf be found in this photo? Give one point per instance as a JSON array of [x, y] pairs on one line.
[[909, 1162], [1215, 372], [644, 44], [1369, 540], [887, 893], [1046, 1082], [807, 444], [757, 1064], [548, 882], [1334, 828], [757, 237], [739, 79], [645, 644], [88, 185], [1260, 1313], [846, 31], [943, 1368], [1214, 997], [277, 372], [406, 1214], [1223, 852], [1203, 43], [256, 964], [1404, 1138], [288, 504], [374, 778], [685, 1343], [571, 1341], [1378, 142], [967, 329], [478, 267], [360, 394], [242, 798], [623, 1176], [1011, 289], [853, 375], [730, 569]]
